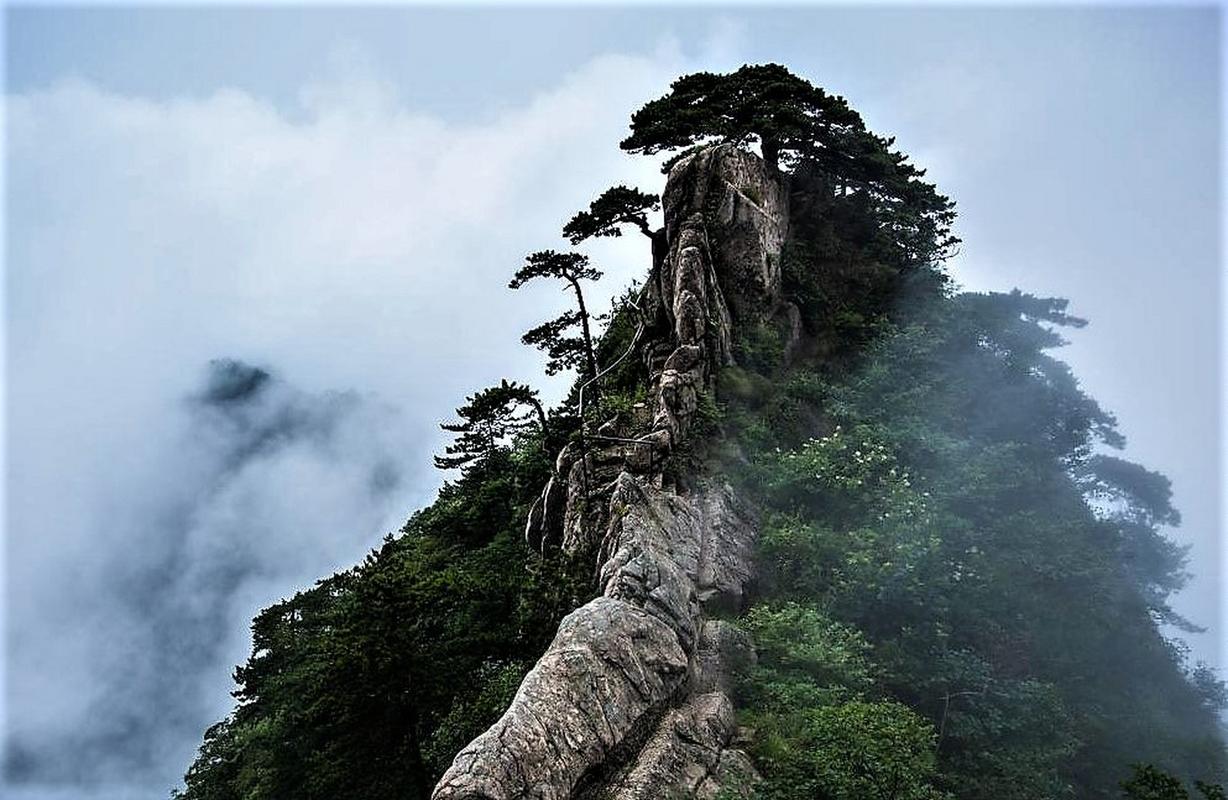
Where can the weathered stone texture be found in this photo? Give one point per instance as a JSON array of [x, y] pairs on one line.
[[631, 699], [687, 755]]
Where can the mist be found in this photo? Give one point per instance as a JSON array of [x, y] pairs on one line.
[[234, 315], [252, 487], [232, 333]]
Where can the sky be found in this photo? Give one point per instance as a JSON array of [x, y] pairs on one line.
[[253, 256]]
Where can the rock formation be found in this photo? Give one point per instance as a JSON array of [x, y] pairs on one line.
[[631, 699]]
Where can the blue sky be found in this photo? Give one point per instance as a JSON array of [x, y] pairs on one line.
[[339, 195]]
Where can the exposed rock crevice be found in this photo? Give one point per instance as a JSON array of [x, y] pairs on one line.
[[631, 699]]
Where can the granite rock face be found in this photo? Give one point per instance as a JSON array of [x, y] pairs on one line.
[[688, 755], [631, 699]]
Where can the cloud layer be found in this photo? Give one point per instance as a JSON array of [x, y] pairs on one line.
[[349, 243], [117, 643]]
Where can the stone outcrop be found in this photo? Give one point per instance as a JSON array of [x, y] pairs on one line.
[[631, 699], [688, 755]]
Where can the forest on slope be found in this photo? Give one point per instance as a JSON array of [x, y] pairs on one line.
[[961, 591]]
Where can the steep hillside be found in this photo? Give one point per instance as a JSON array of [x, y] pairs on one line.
[[812, 524]]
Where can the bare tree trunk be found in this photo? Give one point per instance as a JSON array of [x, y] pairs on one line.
[[771, 151], [591, 357], [541, 419], [541, 413]]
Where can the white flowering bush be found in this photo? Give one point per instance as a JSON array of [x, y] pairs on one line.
[[856, 528], [849, 470]]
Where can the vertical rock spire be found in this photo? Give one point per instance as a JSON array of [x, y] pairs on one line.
[[630, 700]]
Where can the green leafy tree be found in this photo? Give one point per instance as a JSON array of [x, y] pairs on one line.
[[817, 735], [858, 750], [366, 684], [487, 419], [952, 509], [879, 750], [563, 350], [1150, 783], [805, 658], [1211, 791], [1134, 502], [1210, 687], [615, 207]]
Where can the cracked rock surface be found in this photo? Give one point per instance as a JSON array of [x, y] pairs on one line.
[[631, 699]]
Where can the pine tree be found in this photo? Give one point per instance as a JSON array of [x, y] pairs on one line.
[[615, 207], [564, 351], [487, 418]]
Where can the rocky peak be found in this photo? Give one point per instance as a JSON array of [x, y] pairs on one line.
[[631, 699], [737, 209]]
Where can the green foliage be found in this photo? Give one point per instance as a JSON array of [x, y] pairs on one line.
[[760, 347], [1149, 783], [816, 733], [767, 103], [850, 171], [707, 417], [804, 658], [1211, 791], [930, 477], [628, 376], [488, 418], [999, 735], [858, 750], [955, 514], [472, 712], [879, 750], [563, 351], [366, 684], [960, 594], [615, 207], [621, 406], [568, 267]]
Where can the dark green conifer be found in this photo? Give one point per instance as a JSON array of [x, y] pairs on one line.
[[487, 419], [563, 351], [615, 207]]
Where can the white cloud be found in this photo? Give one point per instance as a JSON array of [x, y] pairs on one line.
[[351, 243]]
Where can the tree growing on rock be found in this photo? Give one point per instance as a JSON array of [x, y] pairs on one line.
[[487, 418], [615, 207], [762, 103], [564, 349], [796, 124]]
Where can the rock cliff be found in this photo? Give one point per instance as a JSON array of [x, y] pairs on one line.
[[631, 699]]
